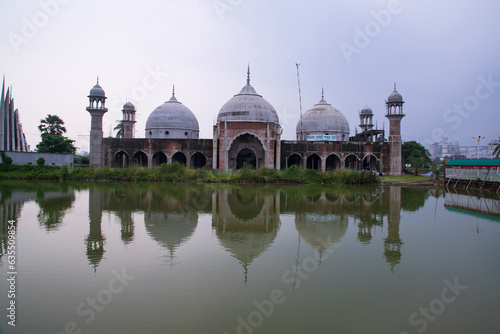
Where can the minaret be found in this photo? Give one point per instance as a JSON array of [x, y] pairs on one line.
[[96, 108], [394, 105], [128, 120], [95, 239], [366, 119], [392, 244]]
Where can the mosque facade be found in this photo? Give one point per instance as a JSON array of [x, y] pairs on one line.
[[248, 131]]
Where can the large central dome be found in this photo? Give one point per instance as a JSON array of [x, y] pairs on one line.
[[172, 120], [323, 120], [248, 106]]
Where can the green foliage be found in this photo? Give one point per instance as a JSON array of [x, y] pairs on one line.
[[64, 172], [81, 160], [416, 155], [52, 125], [169, 172], [40, 162], [6, 160], [120, 129], [56, 144], [496, 151], [179, 172]]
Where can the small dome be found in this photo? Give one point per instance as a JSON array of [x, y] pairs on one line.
[[97, 91], [128, 107], [324, 119], [248, 106], [366, 111], [172, 120], [395, 96]]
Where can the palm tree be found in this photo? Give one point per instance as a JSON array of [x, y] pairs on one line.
[[52, 125], [120, 129], [496, 152]]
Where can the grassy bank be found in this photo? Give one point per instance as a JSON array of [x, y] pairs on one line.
[[178, 173], [407, 179]]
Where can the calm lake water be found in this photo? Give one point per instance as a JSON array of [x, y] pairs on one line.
[[185, 258]]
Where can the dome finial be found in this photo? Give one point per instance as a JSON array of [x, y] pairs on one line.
[[394, 85], [97, 79], [173, 90], [322, 93], [248, 75]]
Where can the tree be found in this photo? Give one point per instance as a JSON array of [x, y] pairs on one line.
[[416, 155], [56, 144], [496, 152], [120, 129], [53, 141], [52, 125]]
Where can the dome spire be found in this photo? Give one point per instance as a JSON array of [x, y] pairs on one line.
[[248, 75], [173, 98], [394, 85], [322, 101], [97, 79]]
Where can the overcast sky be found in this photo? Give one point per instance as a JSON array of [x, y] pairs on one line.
[[443, 54]]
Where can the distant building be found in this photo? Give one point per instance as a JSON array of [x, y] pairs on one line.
[[248, 131], [449, 150], [12, 138]]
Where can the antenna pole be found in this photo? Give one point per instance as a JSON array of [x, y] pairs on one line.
[[300, 102]]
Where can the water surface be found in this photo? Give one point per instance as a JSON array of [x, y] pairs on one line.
[[168, 258]]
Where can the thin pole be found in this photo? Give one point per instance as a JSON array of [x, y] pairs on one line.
[[300, 101]]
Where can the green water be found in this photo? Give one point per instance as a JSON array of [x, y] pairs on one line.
[[185, 258]]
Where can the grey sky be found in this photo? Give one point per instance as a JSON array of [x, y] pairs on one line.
[[443, 54]]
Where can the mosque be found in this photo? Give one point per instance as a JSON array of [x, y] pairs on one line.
[[248, 131]]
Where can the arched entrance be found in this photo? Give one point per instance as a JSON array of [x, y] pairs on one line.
[[370, 162], [180, 158], [314, 162], [159, 158], [332, 162], [141, 159], [246, 148], [121, 160], [198, 160], [352, 162], [246, 156], [294, 160]]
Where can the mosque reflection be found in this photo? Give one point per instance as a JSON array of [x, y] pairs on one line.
[[322, 214], [170, 213], [246, 221]]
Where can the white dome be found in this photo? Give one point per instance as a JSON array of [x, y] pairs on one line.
[[248, 106], [323, 119], [395, 96], [97, 91], [128, 107], [172, 120]]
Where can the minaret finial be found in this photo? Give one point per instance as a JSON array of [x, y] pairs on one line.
[[322, 93], [97, 79], [248, 75], [394, 85], [173, 90]]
